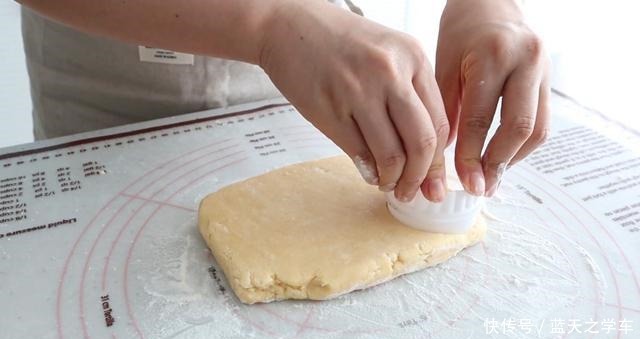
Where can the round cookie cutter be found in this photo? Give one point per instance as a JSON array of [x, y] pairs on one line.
[[455, 214]]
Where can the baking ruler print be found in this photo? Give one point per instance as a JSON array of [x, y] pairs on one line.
[[98, 238]]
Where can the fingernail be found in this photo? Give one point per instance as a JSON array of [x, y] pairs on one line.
[[477, 184], [367, 170], [387, 187], [436, 189]]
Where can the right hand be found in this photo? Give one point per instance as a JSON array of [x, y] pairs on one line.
[[368, 88]]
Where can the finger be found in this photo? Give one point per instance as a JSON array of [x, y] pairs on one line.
[[349, 138], [479, 100], [384, 143], [450, 87], [434, 186], [541, 129], [412, 121], [518, 117]]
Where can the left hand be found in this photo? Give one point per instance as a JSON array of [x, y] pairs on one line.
[[486, 51]]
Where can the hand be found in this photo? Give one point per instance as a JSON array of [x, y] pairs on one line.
[[368, 88], [485, 51]]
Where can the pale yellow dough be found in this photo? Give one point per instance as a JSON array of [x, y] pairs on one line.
[[315, 230]]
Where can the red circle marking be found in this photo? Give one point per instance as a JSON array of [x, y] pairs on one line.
[[615, 242], [573, 271], [145, 203], [606, 258], [84, 272], [129, 310], [131, 198], [139, 232], [475, 301], [82, 233]]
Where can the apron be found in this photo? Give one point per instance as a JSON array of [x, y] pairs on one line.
[[81, 82]]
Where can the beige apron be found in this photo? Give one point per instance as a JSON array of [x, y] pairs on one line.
[[81, 82]]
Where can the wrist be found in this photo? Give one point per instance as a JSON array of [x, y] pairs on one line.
[[462, 11], [283, 26], [256, 27], [269, 31]]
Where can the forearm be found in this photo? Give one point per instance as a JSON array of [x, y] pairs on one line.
[[228, 29]]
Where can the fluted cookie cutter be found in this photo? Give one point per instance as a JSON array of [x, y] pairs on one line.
[[455, 214]]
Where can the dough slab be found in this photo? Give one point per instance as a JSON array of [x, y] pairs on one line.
[[315, 230]]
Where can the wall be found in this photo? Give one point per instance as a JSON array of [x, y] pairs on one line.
[[593, 45], [15, 104]]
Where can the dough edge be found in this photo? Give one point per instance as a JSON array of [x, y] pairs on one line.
[[252, 291], [279, 290]]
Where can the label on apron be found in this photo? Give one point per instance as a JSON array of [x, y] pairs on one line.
[[164, 56]]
